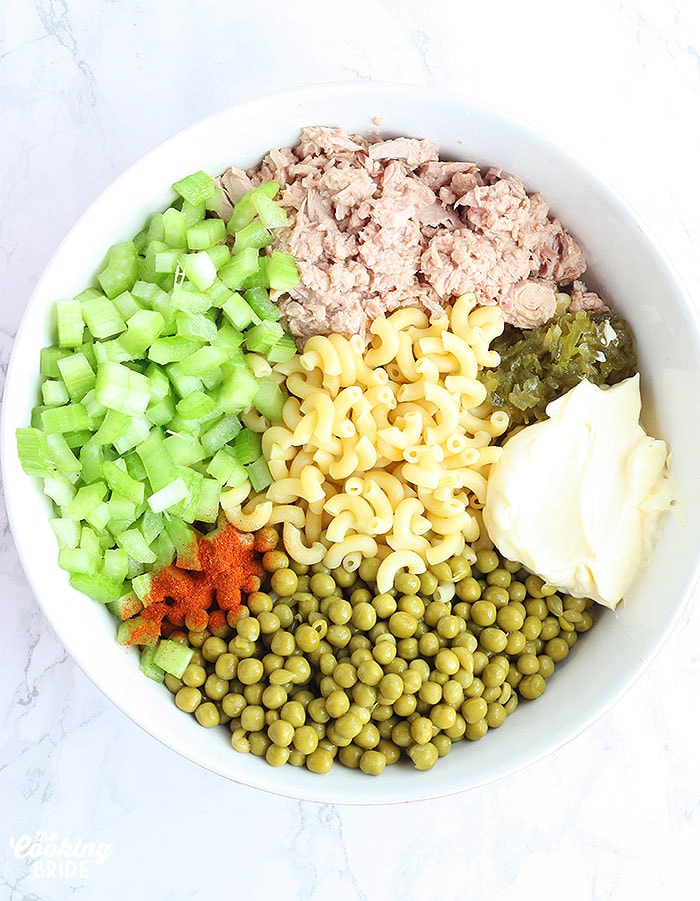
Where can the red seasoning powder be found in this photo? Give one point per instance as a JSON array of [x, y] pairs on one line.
[[227, 566]]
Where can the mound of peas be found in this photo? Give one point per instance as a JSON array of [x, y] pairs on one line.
[[319, 667]]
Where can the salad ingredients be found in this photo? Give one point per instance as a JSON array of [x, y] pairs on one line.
[[540, 364], [375, 225], [332, 671], [578, 497]]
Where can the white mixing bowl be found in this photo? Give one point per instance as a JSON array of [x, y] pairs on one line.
[[624, 263]]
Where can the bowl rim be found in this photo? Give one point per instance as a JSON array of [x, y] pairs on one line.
[[307, 94]]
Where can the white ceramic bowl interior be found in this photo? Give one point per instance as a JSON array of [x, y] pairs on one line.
[[624, 263]]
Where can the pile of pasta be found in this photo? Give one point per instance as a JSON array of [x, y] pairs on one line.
[[381, 452]]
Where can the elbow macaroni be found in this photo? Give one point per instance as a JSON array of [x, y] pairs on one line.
[[383, 450]]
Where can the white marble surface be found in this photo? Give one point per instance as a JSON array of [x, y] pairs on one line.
[[85, 89]]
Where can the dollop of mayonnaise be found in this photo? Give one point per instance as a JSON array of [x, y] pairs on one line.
[[578, 498]]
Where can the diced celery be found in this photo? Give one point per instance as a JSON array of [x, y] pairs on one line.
[[206, 233], [142, 329], [197, 405], [115, 564], [257, 279], [59, 489], [182, 383], [168, 496], [122, 389], [283, 350], [244, 211], [186, 507], [126, 606], [242, 264], [218, 293], [248, 446], [194, 212], [172, 349], [33, 452], [120, 271], [184, 539], [138, 630], [207, 508], [62, 454], [259, 300], [137, 431], [98, 516], [161, 411], [199, 268], [252, 235], [53, 393], [172, 656], [204, 360], [134, 544], [69, 418], [219, 254], [111, 428], [102, 317], [159, 468], [197, 187], [151, 525], [86, 499], [147, 665], [189, 300], [174, 228], [77, 560], [228, 338], [184, 450], [220, 433], [195, 326], [98, 587], [122, 511], [164, 549], [122, 483], [141, 586], [270, 400], [222, 464], [263, 337], [48, 361], [239, 312], [69, 323], [91, 461], [126, 305], [282, 271], [259, 474], [67, 531], [155, 230], [237, 391]]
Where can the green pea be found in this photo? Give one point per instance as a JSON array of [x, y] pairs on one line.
[[486, 560], [475, 731], [421, 730], [428, 583], [385, 605], [372, 763], [274, 697], [322, 585], [532, 687], [250, 671], [493, 639], [233, 704], [468, 590], [407, 583], [188, 699], [368, 569], [213, 647], [194, 676], [215, 688], [364, 616], [282, 643], [423, 756], [402, 624], [207, 715], [411, 603], [484, 613]]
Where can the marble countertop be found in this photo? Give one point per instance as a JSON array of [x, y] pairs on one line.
[[86, 88]]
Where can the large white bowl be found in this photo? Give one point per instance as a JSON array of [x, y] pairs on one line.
[[625, 263]]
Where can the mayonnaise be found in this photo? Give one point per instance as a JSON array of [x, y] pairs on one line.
[[578, 498]]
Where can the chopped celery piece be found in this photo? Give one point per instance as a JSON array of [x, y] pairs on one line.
[[69, 323], [184, 450], [172, 656], [237, 391], [160, 469], [270, 400], [133, 542], [259, 474], [200, 268], [147, 665], [244, 211], [228, 337], [98, 587], [48, 361], [283, 350], [239, 312], [62, 454], [222, 465], [120, 271], [167, 261], [172, 349], [126, 305], [174, 228], [168, 496], [121, 482], [122, 389], [77, 560], [242, 264], [137, 431], [206, 233], [138, 630], [218, 254], [271, 214], [263, 337], [259, 300], [194, 212], [257, 279], [33, 452], [122, 513], [197, 405], [141, 586], [67, 531], [69, 418], [195, 326], [142, 329], [53, 393], [111, 428], [207, 509], [184, 538], [196, 188], [59, 489], [282, 272], [126, 606], [102, 317], [182, 383], [255, 234], [91, 461], [248, 446], [155, 230], [220, 433], [189, 301], [204, 360], [86, 499], [115, 564]]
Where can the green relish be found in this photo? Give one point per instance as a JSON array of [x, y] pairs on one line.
[[540, 364]]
